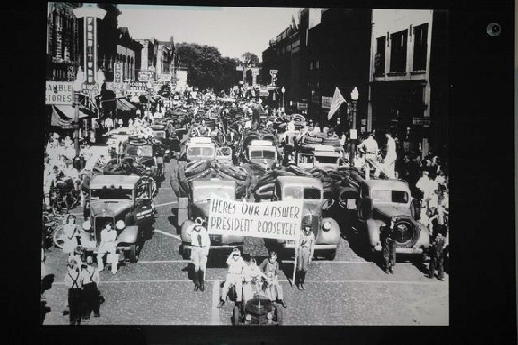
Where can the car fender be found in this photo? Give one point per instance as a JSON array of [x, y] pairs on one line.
[[373, 230], [128, 235], [329, 237], [186, 228]]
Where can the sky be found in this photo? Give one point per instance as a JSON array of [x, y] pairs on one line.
[[233, 30]]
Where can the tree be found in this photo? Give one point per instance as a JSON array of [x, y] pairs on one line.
[[250, 59], [206, 67]]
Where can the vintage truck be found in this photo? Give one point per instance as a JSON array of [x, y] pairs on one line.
[[311, 190], [197, 205], [199, 148], [125, 201], [381, 203], [261, 152], [309, 156]]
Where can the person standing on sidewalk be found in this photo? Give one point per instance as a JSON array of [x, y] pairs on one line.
[[90, 281], [73, 283], [200, 244], [437, 258], [388, 247], [305, 253]]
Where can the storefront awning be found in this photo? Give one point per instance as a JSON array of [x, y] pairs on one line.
[[63, 115], [124, 105]]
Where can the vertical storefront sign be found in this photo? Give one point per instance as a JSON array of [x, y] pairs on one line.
[[90, 51]]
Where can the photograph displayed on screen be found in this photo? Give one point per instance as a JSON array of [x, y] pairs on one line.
[[244, 166]]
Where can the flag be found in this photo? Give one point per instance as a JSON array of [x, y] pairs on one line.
[[59, 119], [335, 103]]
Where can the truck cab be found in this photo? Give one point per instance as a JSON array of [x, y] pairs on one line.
[[200, 148], [311, 190], [384, 203], [202, 192], [262, 152], [125, 200], [309, 156]]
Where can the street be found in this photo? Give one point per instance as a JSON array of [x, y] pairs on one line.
[[158, 291]]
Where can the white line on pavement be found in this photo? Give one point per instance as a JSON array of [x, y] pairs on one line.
[[168, 234], [402, 282], [165, 262], [167, 203], [214, 311]]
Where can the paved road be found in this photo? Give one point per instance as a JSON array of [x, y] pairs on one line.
[[347, 291]]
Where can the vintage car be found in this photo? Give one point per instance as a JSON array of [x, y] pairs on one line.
[[258, 311], [384, 202], [199, 148], [143, 152], [118, 135], [125, 202], [261, 152], [201, 193], [162, 137], [318, 156], [311, 190]]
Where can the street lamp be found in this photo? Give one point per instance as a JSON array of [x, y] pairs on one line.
[[352, 141], [283, 90]]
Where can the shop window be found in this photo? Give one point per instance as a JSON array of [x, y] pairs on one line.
[[398, 46], [379, 58], [420, 47]]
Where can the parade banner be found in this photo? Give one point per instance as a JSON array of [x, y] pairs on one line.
[[276, 219]]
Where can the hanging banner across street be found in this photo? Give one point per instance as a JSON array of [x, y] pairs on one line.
[[277, 219]]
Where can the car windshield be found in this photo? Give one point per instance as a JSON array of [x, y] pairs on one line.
[[140, 150], [396, 196], [262, 154], [326, 159], [109, 193], [306, 158], [200, 151], [298, 192], [220, 192]]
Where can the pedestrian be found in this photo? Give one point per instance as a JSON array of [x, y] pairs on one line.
[[234, 277], [73, 283], [90, 281], [270, 267], [200, 244], [108, 123], [390, 157], [369, 147], [252, 278], [437, 258], [71, 232], [108, 246], [388, 247], [119, 122], [305, 253]]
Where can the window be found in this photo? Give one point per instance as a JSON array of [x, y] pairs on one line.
[[379, 58], [390, 196], [420, 47], [296, 192], [398, 51], [111, 194], [317, 64]]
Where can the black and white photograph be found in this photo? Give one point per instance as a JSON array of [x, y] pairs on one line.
[[234, 166]]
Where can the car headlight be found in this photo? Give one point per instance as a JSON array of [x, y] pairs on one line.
[[248, 317], [326, 226]]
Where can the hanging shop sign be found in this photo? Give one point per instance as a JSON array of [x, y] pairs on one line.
[[302, 106], [421, 121], [117, 73], [59, 92]]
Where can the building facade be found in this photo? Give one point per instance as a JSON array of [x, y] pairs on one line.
[[128, 55], [403, 53], [338, 56], [157, 58], [63, 42]]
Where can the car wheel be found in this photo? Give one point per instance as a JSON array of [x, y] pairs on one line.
[[279, 315], [330, 254], [132, 254]]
